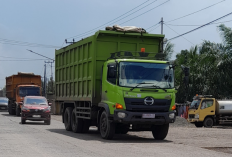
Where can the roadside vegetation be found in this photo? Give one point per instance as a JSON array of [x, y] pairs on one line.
[[210, 68]]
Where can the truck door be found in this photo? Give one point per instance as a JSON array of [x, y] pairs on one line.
[[207, 108], [109, 84]]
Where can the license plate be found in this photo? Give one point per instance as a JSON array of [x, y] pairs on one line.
[[36, 116], [148, 115]]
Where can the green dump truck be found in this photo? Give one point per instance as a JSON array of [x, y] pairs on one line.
[[112, 80]]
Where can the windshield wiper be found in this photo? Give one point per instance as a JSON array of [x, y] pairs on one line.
[[139, 84], [158, 87]]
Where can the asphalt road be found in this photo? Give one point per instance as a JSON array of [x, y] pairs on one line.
[[37, 139]]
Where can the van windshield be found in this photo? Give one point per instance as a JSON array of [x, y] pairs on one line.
[[29, 91], [146, 75]]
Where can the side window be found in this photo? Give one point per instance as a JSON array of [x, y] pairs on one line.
[[206, 104], [111, 74]]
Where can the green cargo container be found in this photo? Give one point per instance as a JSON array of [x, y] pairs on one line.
[[78, 66]]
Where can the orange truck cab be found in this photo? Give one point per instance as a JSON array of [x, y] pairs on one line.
[[21, 85]]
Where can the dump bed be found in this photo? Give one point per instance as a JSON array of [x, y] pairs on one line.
[[78, 66], [20, 79]]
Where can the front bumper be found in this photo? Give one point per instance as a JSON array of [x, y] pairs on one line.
[[136, 118], [193, 120], [29, 116], [3, 107]]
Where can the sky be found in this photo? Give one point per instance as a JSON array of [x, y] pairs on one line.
[[42, 26]]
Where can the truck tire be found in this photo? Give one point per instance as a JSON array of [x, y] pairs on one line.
[[23, 121], [159, 132], [76, 123], [107, 128], [67, 118], [199, 124], [10, 109], [86, 124], [17, 112], [208, 122]]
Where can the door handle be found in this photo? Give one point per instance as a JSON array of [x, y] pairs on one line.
[[106, 91], [211, 111]]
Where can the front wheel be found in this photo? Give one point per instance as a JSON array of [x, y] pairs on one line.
[[208, 122], [107, 128], [159, 132]]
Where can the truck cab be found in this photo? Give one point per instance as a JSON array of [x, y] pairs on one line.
[[202, 111]]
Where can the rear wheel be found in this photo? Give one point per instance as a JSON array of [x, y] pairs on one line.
[[67, 118], [208, 122], [77, 123], [107, 128], [159, 132], [198, 125]]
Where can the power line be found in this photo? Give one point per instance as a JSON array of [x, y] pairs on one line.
[[200, 26], [140, 14], [145, 12], [152, 26], [25, 60], [109, 21], [22, 43], [154, 29], [40, 55], [17, 58], [179, 34], [195, 12]]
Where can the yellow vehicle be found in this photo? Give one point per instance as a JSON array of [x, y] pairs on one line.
[[207, 111]]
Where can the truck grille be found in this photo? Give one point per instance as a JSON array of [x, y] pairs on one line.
[[191, 115], [135, 104]]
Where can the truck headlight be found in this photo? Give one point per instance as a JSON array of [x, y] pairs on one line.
[[121, 115], [172, 115], [196, 116]]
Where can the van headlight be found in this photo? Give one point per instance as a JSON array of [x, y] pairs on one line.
[[196, 116]]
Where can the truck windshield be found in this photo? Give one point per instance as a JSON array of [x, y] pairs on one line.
[[195, 104], [146, 74], [29, 91]]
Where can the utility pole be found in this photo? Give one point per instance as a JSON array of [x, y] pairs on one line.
[[162, 42], [44, 91], [162, 23], [51, 74]]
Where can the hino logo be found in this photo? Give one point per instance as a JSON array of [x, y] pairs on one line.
[[36, 110], [149, 101]]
